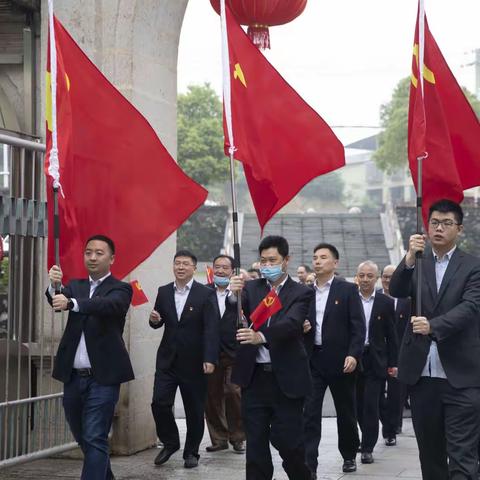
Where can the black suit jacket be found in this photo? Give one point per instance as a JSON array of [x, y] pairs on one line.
[[453, 313], [102, 319], [343, 327], [227, 325], [403, 312], [284, 337], [193, 339], [382, 337]]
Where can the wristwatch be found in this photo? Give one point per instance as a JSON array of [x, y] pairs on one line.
[[70, 304]]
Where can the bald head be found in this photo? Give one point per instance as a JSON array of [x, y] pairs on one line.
[[367, 274]]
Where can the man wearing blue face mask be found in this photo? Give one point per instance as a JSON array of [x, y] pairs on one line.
[[222, 410], [272, 368]]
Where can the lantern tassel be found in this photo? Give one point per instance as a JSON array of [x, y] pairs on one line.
[[259, 35]]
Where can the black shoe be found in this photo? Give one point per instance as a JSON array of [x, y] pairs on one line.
[[216, 447], [390, 441], [238, 447], [164, 455], [367, 457], [191, 461], [349, 466]]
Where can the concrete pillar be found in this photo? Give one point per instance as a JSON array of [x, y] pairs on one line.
[[135, 44]]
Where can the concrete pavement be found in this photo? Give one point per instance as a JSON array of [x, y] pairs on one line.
[[400, 462]]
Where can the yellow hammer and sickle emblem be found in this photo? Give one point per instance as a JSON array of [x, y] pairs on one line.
[[238, 73], [427, 73], [269, 301], [48, 97]]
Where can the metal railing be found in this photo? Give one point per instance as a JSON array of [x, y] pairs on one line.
[[32, 422]]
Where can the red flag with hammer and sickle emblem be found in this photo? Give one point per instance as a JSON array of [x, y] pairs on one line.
[[269, 306]]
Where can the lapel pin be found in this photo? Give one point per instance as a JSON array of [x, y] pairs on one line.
[[191, 309], [401, 315], [337, 302], [379, 317]]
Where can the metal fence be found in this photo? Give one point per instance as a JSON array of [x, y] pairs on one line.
[[32, 422]]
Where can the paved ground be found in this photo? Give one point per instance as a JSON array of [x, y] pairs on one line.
[[400, 462]]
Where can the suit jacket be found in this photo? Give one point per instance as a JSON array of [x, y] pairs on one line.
[[403, 313], [343, 327], [284, 336], [382, 337], [227, 325], [102, 319], [192, 339], [453, 314]]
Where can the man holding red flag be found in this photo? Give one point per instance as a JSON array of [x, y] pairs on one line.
[[271, 365]]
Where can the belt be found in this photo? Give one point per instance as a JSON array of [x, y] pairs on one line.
[[266, 367], [83, 372]]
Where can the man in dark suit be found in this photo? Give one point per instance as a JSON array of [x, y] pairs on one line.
[[379, 357], [271, 366], [187, 353], [92, 360], [223, 411], [335, 345], [394, 392], [440, 352]]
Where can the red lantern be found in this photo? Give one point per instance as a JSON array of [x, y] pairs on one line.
[[258, 15]]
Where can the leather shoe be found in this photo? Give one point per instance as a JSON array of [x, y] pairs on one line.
[[216, 447], [191, 461], [238, 447], [349, 466], [367, 457], [164, 455], [390, 442]]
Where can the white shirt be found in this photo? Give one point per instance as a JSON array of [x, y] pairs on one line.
[[181, 295], [263, 355], [367, 304], [221, 298], [321, 297], [433, 366], [81, 355]]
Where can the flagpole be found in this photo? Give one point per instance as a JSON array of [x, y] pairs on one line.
[[53, 168], [228, 120], [420, 158]]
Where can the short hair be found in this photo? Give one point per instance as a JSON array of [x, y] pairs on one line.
[[274, 241], [368, 263], [103, 238], [222, 255], [306, 267], [328, 246], [447, 206], [186, 253]]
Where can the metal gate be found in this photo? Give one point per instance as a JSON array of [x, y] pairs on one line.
[[32, 422]]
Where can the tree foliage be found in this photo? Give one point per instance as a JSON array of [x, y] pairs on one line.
[[200, 135], [392, 153]]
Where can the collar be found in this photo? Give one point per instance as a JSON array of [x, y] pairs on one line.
[[328, 284], [280, 285], [99, 281], [187, 287], [371, 297], [225, 292], [446, 257]]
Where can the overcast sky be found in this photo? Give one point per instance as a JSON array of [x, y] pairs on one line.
[[344, 57]]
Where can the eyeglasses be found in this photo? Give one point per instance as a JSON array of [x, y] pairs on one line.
[[444, 223]]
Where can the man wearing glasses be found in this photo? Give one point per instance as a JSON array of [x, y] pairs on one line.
[[187, 353], [440, 353]]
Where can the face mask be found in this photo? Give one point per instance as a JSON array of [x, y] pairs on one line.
[[221, 281], [272, 273]]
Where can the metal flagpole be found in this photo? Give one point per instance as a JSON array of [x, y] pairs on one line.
[[419, 256], [231, 151]]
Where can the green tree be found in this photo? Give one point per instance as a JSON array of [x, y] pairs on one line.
[[391, 154], [200, 135]]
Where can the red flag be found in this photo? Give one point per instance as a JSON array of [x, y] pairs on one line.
[[269, 306], [281, 141], [138, 297], [209, 273], [117, 177], [442, 124]]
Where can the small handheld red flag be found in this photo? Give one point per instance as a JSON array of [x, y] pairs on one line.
[[209, 273], [139, 297], [269, 306]]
